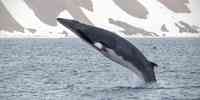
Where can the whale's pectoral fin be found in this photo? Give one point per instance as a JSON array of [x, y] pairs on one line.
[[100, 46], [153, 64]]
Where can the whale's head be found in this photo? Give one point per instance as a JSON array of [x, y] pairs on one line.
[[77, 28], [90, 34]]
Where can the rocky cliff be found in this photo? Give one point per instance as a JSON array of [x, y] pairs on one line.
[[154, 18]]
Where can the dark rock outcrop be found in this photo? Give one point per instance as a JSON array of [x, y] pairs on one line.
[[177, 6], [48, 10], [130, 30], [184, 27], [133, 8], [164, 28], [8, 23], [32, 30]]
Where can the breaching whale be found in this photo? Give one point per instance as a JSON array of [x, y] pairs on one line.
[[113, 47]]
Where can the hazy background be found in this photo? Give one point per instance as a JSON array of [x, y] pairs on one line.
[[157, 18]]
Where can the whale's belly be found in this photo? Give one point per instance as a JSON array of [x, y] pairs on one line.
[[109, 53]]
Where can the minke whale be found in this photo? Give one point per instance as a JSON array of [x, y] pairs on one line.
[[113, 47]]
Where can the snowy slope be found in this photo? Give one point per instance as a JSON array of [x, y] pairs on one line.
[[128, 18]]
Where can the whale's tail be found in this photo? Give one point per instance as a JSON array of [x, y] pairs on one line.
[[153, 64], [149, 76]]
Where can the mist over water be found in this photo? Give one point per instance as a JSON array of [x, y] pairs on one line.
[[69, 69]]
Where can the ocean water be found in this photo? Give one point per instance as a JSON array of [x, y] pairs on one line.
[[69, 69]]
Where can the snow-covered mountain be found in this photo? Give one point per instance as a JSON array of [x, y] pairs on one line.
[[154, 18]]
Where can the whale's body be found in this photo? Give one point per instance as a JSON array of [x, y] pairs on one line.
[[113, 47]]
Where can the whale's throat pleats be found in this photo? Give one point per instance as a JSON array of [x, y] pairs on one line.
[[111, 54]]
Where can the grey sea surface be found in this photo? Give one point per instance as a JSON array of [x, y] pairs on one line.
[[69, 69]]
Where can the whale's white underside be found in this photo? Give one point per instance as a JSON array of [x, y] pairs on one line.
[[111, 54]]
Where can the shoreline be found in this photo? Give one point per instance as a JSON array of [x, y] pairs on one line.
[[78, 37]]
